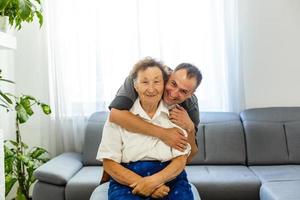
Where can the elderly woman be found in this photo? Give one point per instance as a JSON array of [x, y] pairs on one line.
[[143, 167]]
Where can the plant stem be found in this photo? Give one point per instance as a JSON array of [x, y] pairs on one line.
[[20, 163]]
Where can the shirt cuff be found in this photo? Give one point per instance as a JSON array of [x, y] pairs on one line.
[[121, 103]]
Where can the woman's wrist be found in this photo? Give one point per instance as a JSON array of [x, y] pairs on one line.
[[158, 179]]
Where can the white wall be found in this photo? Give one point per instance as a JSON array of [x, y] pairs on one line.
[[32, 78], [8, 72], [270, 52]]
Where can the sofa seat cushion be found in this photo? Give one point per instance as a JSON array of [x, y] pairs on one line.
[[281, 190], [83, 183], [100, 192], [224, 182], [277, 172]]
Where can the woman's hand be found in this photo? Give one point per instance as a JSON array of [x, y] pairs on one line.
[[160, 192], [145, 186]]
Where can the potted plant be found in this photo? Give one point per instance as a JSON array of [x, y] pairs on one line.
[[20, 161], [19, 11]]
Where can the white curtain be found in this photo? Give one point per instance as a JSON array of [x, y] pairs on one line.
[[93, 45]]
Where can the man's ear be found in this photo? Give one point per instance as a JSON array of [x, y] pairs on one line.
[[191, 94]]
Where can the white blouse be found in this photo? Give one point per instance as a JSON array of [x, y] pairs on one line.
[[123, 146]]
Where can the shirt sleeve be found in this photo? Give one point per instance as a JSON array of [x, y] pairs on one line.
[[125, 96], [111, 143], [192, 107], [187, 151]]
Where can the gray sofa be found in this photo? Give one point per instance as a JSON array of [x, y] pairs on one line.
[[254, 155]]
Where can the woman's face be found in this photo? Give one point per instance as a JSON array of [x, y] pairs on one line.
[[149, 85]]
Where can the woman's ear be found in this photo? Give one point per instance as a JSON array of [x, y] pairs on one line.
[[135, 85]]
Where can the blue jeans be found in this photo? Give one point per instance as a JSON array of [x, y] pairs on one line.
[[179, 187]]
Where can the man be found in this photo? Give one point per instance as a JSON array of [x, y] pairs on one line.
[[178, 95]]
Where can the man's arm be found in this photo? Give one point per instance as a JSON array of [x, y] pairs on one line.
[[173, 137], [192, 142], [180, 117]]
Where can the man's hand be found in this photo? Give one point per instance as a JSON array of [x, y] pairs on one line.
[[145, 186], [180, 117], [160, 192], [175, 138]]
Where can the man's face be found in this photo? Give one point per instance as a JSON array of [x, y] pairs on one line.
[[179, 87]]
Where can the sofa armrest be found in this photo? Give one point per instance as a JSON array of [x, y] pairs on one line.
[[60, 169]]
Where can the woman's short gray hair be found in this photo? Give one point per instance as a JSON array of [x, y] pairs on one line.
[[144, 64]]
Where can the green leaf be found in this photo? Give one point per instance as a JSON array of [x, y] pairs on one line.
[[24, 158], [9, 158], [22, 115], [43, 160], [46, 108], [12, 95], [24, 145], [5, 80], [9, 183], [38, 1], [30, 97], [40, 17], [4, 106], [14, 143], [7, 150], [27, 106], [30, 166], [30, 178], [25, 9], [5, 97], [9, 164], [33, 179], [2, 4], [37, 152], [4, 103], [20, 195], [11, 20]]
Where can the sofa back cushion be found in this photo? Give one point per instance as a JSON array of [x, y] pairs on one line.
[[220, 139], [92, 138], [292, 130], [272, 135]]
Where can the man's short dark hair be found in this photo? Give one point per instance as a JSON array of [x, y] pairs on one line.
[[192, 72]]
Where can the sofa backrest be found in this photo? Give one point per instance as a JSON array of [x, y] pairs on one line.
[[220, 139], [92, 138], [272, 135]]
